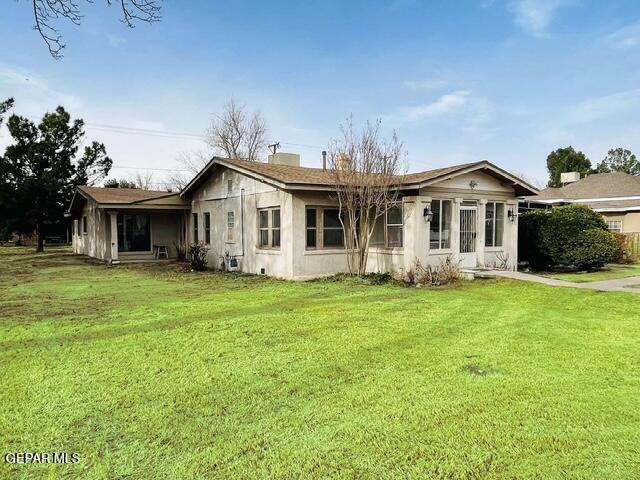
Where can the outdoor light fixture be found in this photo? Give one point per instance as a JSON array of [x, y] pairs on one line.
[[512, 215], [428, 214]]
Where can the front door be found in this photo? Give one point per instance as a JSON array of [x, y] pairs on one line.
[[468, 234]]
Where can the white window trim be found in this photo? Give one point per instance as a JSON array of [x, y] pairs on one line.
[[617, 229]]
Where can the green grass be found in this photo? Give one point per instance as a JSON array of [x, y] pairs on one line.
[[151, 372], [611, 272]]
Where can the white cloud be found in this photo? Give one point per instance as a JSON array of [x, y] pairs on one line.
[[625, 37], [424, 84], [445, 105], [601, 107], [535, 16]]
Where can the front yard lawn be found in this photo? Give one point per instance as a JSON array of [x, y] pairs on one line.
[[149, 372], [611, 272]]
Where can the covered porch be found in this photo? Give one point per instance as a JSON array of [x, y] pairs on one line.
[[145, 234]]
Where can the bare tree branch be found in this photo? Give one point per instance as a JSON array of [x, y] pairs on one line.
[[47, 13]]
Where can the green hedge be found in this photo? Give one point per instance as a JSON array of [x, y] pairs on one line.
[[573, 236]]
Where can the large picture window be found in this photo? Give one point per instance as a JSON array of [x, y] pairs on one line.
[[269, 228], [323, 228], [134, 233], [440, 226], [494, 224]]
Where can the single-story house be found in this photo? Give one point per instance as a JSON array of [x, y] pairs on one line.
[[615, 195], [281, 219]]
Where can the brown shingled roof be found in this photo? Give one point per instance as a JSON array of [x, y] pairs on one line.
[[599, 185], [122, 195]]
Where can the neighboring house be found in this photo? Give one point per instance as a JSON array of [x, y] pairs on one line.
[[281, 219], [615, 195], [124, 224]]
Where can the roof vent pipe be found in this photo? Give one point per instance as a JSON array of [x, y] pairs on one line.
[[324, 160]]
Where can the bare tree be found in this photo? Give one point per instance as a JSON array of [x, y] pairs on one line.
[[47, 12], [367, 171], [144, 180], [191, 163], [237, 135]]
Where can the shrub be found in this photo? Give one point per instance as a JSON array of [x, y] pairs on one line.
[[562, 230], [530, 239], [445, 273], [198, 256], [592, 249]]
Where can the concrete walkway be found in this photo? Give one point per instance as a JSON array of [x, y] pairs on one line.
[[618, 285]]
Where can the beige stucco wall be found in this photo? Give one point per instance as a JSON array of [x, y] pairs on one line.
[[94, 243]]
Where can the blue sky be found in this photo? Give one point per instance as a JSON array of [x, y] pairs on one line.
[[506, 81]]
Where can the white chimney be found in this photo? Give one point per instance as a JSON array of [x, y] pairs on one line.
[[569, 177], [343, 163], [281, 158]]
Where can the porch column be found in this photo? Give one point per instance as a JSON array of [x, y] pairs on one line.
[[480, 242], [455, 229], [113, 217], [416, 231], [511, 234]]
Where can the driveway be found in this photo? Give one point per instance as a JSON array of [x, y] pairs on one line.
[[617, 285]]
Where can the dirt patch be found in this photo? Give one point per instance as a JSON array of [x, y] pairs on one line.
[[477, 371]]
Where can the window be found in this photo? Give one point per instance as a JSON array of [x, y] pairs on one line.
[[324, 229], [394, 225], [440, 226], [134, 233], [269, 228], [494, 224], [614, 226], [332, 235], [275, 227], [84, 224], [207, 228], [229, 186], [312, 228], [231, 220], [195, 227]]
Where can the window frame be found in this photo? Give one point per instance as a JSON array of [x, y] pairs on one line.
[[269, 228], [319, 228], [194, 227], [440, 229], [231, 225], [495, 222], [614, 230], [400, 225], [85, 228], [207, 227], [229, 186]]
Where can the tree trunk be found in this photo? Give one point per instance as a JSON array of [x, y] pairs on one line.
[[40, 235]]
